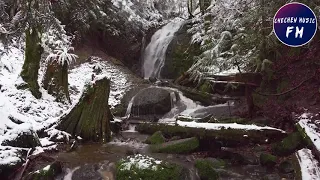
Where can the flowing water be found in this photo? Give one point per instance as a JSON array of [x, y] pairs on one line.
[[155, 52]]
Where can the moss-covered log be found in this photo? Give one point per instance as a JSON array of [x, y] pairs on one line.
[[31, 64], [90, 118], [228, 137], [56, 81]]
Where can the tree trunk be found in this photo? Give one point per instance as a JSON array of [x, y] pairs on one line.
[[90, 118], [56, 81], [31, 64]]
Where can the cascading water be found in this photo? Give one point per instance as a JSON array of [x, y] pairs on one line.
[[155, 53]]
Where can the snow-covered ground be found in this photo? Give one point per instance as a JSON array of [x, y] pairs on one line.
[[310, 169], [21, 112]]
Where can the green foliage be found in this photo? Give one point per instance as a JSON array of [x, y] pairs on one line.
[[206, 170]]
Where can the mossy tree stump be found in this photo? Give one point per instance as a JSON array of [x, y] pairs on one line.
[[56, 81], [31, 64], [90, 118]]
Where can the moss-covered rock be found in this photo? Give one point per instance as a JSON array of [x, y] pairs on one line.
[[147, 168], [288, 145], [156, 138], [177, 147], [206, 170], [180, 53], [47, 173], [268, 160]]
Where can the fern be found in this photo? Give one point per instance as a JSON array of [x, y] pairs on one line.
[[62, 55]]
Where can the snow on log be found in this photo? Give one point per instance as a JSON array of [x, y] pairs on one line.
[[309, 166]]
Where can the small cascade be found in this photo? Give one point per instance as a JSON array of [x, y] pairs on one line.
[[184, 106], [173, 99], [129, 109], [155, 53]]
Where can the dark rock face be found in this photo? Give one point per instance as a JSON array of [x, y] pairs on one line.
[[26, 139], [151, 101], [180, 53], [115, 31]]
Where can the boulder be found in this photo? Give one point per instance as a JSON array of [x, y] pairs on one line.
[[132, 168], [87, 172], [156, 138], [152, 101], [177, 147]]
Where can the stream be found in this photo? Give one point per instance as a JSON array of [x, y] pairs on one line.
[[95, 161]]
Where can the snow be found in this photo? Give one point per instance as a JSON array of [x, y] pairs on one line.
[[141, 162], [310, 169], [21, 112], [218, 126], [9, 155], [311, 129]]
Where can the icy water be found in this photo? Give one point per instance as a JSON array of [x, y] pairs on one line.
[[155, 52]]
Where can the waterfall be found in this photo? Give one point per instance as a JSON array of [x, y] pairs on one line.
[[155, 53]]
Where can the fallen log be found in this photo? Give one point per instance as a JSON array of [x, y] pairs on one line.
[[229, 137]]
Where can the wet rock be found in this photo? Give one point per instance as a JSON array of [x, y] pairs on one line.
[[180, 53], [286, 167], [87, 172], [152, 101], [47, 173], [156, 138], [206, 170], [152, 79], [268, 160], [25, 139], [177, 147], [108, 171], [288, 145], [150, 168]]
